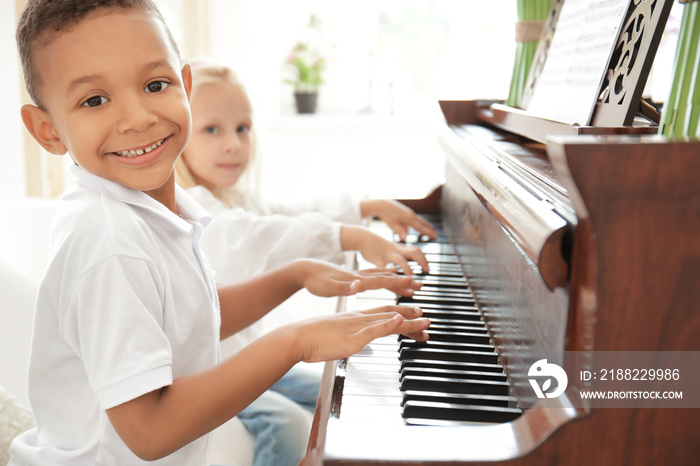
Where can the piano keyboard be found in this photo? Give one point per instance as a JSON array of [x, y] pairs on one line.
[[455, 377]]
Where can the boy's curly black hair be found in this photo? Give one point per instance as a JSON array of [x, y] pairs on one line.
[[42, 16]]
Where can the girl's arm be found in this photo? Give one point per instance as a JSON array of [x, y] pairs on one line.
[[240, 244], [163, 421]]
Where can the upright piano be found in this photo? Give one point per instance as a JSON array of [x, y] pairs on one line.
[[563, 240]]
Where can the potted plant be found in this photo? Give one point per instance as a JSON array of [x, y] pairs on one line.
[[306, 65]]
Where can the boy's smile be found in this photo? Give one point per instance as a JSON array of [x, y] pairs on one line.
[[116, 99]]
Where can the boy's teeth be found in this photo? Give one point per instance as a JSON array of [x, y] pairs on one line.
[[134, 153]]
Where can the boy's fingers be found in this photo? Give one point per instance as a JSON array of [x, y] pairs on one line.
[[387, 271], [402, 263], [417, 255], [415, 328], [381, 328], [399, 284], [355, 287], [406, 311], [333, 287], [425, 228], [397, 323], [400, 230]]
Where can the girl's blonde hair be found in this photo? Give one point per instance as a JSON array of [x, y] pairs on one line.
[[244, 192]]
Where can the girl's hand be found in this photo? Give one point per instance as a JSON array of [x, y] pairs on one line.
[[326, 280], [397, 216], [380, 251], [341, 335]]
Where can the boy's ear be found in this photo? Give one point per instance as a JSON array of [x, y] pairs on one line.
[[187, 79], [40, 126]]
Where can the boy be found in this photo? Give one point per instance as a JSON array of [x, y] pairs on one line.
[[124, 353]]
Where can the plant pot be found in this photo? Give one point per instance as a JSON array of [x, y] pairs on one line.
[[306, 101]]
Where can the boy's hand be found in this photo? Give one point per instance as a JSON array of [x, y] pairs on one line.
[[326, 280], [397, 216], [381, 251], [341, 335]]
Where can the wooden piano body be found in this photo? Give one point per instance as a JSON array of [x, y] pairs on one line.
[[630, 283], [585, 244]]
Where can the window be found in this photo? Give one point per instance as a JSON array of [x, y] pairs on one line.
[[382, 55]]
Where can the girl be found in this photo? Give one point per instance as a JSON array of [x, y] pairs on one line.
[[248, 236]]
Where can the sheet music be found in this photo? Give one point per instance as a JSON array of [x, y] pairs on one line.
[[578, 56]]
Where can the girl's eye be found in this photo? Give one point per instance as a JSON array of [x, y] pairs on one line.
[[243, 129], [211, 129], [95, 101], [156, 86]]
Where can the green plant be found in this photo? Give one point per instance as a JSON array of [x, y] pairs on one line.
[[306, 62]]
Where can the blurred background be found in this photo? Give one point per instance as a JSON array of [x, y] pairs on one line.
[[385, 63]]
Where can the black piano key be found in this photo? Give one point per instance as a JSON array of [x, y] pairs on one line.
[[458, 412], [446, 267], [443, 282], [441, 258], [461, 398], [469, 308], [452, 374], [453, 336], [457, 326], [446, 345], [415, 299], [445, 294], [439, 288], [456, 336], [452, 316], [438, 297], [435, 270], [457, 365], [442, 354], [446, 384]]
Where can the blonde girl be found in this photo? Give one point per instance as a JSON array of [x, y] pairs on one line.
[[248, 236]]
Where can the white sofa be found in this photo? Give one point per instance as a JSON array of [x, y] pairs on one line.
[[24, 227]]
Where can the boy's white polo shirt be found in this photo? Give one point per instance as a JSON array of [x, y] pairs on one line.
[[128, 304]]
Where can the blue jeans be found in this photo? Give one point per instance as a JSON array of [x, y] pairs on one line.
[[278, 420]]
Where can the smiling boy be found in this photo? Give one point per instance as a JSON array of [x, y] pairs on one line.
[[124, 366]]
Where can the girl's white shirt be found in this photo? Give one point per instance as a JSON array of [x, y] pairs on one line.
[[253, 236]]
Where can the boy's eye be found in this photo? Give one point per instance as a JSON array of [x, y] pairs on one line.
[[95, 101], [156, 86], [211, 129]]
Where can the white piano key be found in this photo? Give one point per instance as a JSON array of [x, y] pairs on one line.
[[379, 414], [371, 388], [376, 371], [359, 400], [369, 365], [386, 360]]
